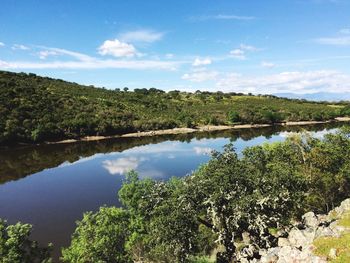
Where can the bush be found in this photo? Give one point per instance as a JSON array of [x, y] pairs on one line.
[[17, 247], [100, 237]]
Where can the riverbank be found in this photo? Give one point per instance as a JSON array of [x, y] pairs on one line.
[[207, 128]]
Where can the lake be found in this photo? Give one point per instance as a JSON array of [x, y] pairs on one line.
[[51, 186]]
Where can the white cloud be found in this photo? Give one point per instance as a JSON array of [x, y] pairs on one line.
[[2, 44], [238, 54], [295, 82], [248, 47], [46, 53], [342, 39], [201, 62], [122, 165], [266, 64], [200, 75], [221, 17], [4, 65], [334, 41], [161, 148], [169, 56], [83, 61], [117, 48], [43, 54], [96, 64], [147, 36], [19, 47], [202, 150]]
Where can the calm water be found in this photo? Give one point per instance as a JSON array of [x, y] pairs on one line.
[[51, 186]]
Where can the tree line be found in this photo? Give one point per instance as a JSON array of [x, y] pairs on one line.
[[36, 109], [254, 194]]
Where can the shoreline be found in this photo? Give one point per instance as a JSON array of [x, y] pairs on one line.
[[207, 128]]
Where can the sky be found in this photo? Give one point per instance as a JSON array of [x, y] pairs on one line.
[[262, 47]]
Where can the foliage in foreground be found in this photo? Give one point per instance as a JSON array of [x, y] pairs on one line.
[[35, 109], [231, 196], [100, 237], [16, 246]]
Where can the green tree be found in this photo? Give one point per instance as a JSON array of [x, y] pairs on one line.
[[17, 247], [233, 116], [100, 237], [164, 227], [232, 196]]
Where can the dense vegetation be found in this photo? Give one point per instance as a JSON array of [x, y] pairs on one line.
[[35, 109], [16, 247], [210, 211]]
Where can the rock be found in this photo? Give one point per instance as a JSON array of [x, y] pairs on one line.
[[345, 205], [338, 211], [244, 260], [246, 238], [270, 257], [325, 232], [333, 225], [332, 253], [309, 235], [296, 245], [310, 220], [248, 251], [263, 252], [322, 218], [282, 242], [282, 233], [336, 229], [299, 238]]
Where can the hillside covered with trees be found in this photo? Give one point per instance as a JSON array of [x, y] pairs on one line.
[[35, 109]]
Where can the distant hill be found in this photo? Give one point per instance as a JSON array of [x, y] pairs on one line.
[[319, 96], [35, 109]]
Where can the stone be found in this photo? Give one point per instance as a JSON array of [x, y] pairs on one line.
[[246, 238], [297, 246], [282, 242], [324, 232], [269, 258], [345, 205], [262, 252], [309, 234], [322, 218], [297, 238], [310, 220], [282, 233], [332, 253]]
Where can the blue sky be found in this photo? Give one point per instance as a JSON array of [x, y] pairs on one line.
[[299, 46]]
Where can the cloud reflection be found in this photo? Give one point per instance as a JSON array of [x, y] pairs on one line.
[[202, 150], [122, 165]]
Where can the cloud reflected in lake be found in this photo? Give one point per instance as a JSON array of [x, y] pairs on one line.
[[202, 150], [122, 165]]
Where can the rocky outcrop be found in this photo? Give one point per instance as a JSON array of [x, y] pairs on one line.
[[297, 245]]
